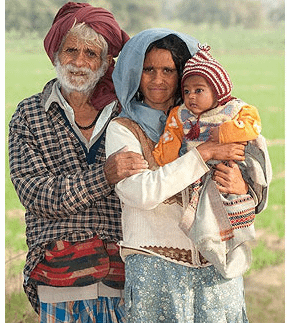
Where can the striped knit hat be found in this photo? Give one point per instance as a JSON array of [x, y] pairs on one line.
[[203, 64]]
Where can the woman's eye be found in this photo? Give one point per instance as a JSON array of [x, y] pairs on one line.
[[147, 69], [168, 70]]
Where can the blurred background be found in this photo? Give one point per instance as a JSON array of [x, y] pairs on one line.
[[246, 36]]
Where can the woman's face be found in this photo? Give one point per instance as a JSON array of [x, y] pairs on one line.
[[159, 79]]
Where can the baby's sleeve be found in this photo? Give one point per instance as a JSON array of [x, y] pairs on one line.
[[167, 149], [246, 125]]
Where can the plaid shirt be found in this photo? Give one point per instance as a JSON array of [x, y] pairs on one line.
[[65, 197]]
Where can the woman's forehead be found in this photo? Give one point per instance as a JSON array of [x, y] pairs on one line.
[[158, 57]]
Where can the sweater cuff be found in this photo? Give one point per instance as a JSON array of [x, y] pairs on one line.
[[202, 162]]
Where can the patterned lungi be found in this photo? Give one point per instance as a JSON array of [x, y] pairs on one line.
[[100, 310]]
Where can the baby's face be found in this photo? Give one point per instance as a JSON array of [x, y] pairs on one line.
[[198, 95]]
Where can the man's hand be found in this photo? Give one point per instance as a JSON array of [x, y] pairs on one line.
[[230, 179], [122, 164]]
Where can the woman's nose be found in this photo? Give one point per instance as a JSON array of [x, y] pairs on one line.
[[158, 77]]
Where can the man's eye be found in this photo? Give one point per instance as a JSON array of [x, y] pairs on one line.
[[71, 50], [92, 53], [168, 70]]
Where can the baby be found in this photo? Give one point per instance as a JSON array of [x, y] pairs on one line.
[[217, 223]]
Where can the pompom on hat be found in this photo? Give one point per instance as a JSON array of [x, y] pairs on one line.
[[203, 64]]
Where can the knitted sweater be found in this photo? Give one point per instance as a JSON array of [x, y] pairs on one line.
[[237, 121], [150, 221], [210, 220]]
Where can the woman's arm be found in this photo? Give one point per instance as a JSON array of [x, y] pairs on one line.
[[230, 179], [150, 188], [212, 150]]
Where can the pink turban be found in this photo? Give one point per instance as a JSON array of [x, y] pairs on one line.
[[104, 23]]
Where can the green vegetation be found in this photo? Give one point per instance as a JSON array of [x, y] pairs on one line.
[[23, 313], [29, 16], [265, 257]]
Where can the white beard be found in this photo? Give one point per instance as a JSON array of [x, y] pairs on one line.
[[83, 79]]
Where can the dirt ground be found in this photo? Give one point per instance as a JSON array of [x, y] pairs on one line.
[[265, 289], [265, 295]]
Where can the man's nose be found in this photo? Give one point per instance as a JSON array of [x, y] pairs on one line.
[[79, 59]]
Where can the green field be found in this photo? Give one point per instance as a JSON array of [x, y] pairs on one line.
[[255, 61]]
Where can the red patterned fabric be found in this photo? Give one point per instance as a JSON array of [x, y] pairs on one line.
[[116, 275], [80, 264], [104, 23]]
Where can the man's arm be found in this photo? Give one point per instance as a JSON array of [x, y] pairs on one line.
[[46, 190]]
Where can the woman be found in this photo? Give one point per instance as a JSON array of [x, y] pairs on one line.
[[166, 278]]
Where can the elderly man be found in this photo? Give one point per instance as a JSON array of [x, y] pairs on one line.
[[73, 270]]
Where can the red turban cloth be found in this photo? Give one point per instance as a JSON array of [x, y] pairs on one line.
[[104, 23]]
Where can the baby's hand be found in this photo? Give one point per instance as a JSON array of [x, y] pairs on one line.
[[214, 134]]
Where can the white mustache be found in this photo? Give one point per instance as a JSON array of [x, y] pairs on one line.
[[78, 70], [85, 78]]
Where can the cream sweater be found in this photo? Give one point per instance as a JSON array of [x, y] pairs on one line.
[[149, 224]]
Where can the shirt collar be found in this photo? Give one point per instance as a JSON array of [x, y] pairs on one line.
[[55, 96]]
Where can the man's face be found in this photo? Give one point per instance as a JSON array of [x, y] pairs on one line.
[[79, 65]]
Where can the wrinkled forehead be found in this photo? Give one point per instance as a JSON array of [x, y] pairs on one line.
[[76, 42], [83, 35]]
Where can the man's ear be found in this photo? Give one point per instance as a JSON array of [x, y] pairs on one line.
[[110, 59]]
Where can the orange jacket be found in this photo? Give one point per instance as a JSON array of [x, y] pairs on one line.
[[246, 125]]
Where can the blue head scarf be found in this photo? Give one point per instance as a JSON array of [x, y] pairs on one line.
[[127, 76]]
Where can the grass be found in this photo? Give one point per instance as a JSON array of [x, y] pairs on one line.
[[255, 61], [265, 257], [24, 313]]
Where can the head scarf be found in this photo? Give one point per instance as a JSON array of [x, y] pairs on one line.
[[104, 23], [127, 76], [203, 64]]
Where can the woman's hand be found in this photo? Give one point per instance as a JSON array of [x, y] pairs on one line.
[[214, 134], [230, 179], [212, 150], [122, 164]]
